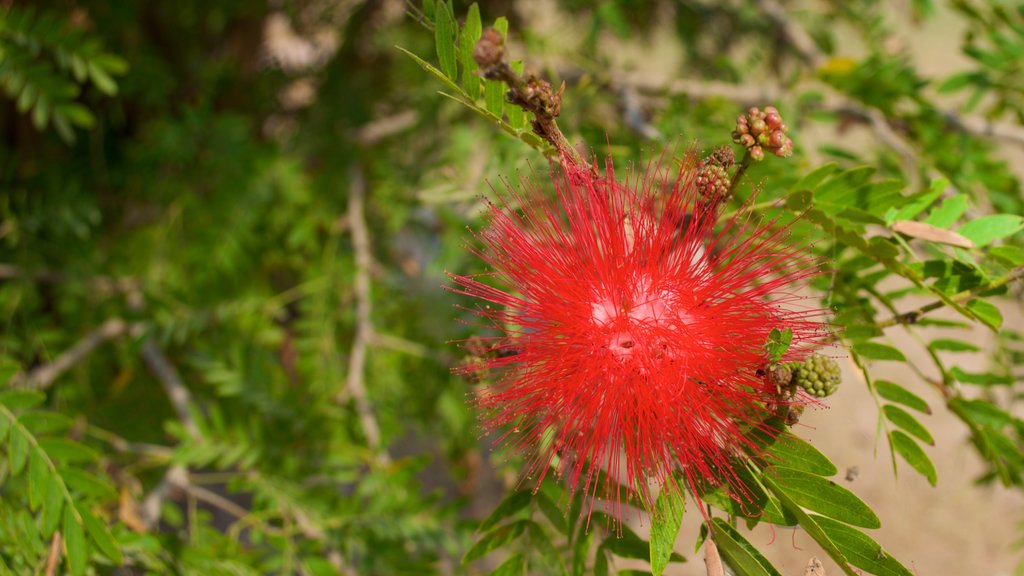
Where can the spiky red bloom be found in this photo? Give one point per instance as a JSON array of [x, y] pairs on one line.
[[632, 327]]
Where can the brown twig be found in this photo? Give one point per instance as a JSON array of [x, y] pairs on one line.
[[53, 559], [798, 38], [354, 386], [712, 560], [914, 315], [42, 377], [177, 393]]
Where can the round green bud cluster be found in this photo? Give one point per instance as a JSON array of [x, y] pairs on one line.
[[818, 375], [763, 130]]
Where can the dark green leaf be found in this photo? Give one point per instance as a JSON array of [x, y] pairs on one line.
[[627, 544], [74, 543], [666, 520], [38, 477], [778, 343], [496, 539], [876, 351], [444, 40], [919, 203], [987, 229], [739, 554], [21, 399], [552, 512], [580, 549], [471, 32], [53, 506], [514, 566], [100, 535], [896, 393], [812, 179], [904, 420], [860, 549], [67, 450], [540, 541], [512, 503], [808, 523], [88, 483], [914, 455], [17, 451], [824, 496], [981, 412]]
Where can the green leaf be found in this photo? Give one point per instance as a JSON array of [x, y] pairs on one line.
[[494, 97], [987, 229], [16, 400], [793, 452], [74, 543], [67, 450], [627, 544], [471, 32], [918, 203], [739, 554], [896, 393], [88, 483], [778, 343], [512, 503], [540, 541], [100, 535], [1012, 255], [810, 525], [815, 177], [552, 512], [38, 477], [876, 351], [981, 412], [861, 550], [980, 378], [914, 455], [54, 505], [444, 40], [824, 496], [949, 345], [948, 212], [516, 115], [666, 520], [514, 566], [580, 549], [501, 25], [17, 451], [101, 79], [904, 420], [495, 539], [987, 313]]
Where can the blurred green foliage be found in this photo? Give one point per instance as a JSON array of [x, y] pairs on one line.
[[183, 189]]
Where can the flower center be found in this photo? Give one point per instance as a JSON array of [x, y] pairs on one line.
[[631, 319]]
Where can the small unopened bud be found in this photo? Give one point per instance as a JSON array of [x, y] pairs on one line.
[[818, 375], [757, 153], [757, 126], [489, 50], [763, 131]]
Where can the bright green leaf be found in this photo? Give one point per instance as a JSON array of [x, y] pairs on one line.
[[53, 506], [100, 535], [793, 452], [949, 345], [471, 31], [986, 312], [17, 451], [38, 477], [16, 400], [987, 229], [948, 212], [980, 378]]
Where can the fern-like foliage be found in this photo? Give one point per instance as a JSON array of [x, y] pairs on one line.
[[44, 64]]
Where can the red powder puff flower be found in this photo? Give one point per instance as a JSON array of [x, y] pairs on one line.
[[632, 328]]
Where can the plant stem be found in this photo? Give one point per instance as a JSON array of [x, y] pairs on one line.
[[741, 169], [912, 316]]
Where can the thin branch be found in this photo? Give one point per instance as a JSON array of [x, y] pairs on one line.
[[798, 38], [42, 377], [53, 560], [354, 386], [913, 316], [712, 560], [167, 374]]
